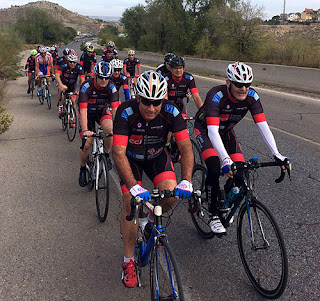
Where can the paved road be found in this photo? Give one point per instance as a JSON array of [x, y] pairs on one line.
[[53, 247]]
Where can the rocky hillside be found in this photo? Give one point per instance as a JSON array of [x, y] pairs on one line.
[[69, 18]]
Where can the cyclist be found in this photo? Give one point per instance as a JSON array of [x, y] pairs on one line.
[[67, 76], [55, 56], [30, 67], [88, 60], [129, 65], [164, 68], [96, 95], [118, 78], [179, 82], [224, 107], [44, 63], [140, 131], [109, 53], [64, 58]]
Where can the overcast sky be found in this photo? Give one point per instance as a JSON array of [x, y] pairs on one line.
[[106, 8]]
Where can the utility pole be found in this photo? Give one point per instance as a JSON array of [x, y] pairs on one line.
[[284, 12]]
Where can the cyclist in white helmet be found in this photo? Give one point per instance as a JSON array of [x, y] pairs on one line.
[[223, 108], [140, 130], [118, 78], [129, 65]]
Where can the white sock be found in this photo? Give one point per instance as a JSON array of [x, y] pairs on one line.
[[127, 259]]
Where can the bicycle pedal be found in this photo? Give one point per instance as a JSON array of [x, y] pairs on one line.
[[194, 209]]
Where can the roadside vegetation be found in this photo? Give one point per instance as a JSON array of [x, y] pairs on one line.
[[217, 29]]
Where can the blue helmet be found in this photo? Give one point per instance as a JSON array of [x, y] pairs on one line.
[[103, 69]]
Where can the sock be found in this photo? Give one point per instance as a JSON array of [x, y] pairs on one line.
[[82, 167], [127, 259]]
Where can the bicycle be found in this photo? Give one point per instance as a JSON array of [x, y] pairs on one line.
[[132, 87], [264, 233], [98, 172], [45, 93], [165, 281], [69, 116]]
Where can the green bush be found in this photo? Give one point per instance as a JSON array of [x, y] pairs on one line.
[[5, 120]]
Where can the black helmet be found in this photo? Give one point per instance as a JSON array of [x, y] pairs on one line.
[[66, 51], [177, 61], [168, 57]]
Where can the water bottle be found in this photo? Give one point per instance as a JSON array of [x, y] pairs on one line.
[[232, 196]]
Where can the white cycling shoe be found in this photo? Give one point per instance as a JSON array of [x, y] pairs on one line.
[[216, 226]]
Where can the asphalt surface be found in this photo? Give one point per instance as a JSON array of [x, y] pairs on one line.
[[53, 247]]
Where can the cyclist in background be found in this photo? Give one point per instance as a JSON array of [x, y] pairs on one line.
[[140, 131], [67, 76], [129, 65], [63, 59], [109, 53], [118, 78], [88, 60], [30, 67], [55, 56], [179, 82], [224, 107], [96, 97], [164, 68], [44, 63]]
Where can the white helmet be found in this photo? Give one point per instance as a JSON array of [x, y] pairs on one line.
[[115, 63], [151, 85], [240, 73], [111, 44], [131, 51], [87, 44], [72, 58]]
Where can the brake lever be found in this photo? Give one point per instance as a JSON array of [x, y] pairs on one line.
[[84, 140]]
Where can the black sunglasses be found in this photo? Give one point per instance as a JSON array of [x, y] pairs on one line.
[[117, 69], [103, 77], [240, 85], [148, 102]]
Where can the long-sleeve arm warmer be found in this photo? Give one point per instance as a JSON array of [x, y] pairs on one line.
[[215, 138], [267, 136]]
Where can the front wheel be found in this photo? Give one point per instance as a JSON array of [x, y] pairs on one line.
[[48, 98], [165, 281], [71, 122], [262, 249], [102, 188]]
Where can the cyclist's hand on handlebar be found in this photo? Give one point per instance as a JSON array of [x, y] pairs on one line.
[[284, 161], [139, 191], [183, 190], [87, 133], [226, 167]]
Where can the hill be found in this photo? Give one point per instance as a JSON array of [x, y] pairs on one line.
[[80, 23]]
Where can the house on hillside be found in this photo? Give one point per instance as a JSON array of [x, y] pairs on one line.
[[294, 17], [307, 15]]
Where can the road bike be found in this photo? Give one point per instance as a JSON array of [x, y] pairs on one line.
[[260, 242], [68, 116], [45, 93], [132, 87], [153, 248], [98, 172]]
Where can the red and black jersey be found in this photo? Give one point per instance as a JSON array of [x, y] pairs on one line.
[[222, 109], [178, 88], [163, 70], [95, 98], [69, 75], [87, 61], [145, 140], [31, 64], [119, 81], [60, 61], [131, 65]]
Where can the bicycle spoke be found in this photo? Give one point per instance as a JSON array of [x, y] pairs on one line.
[[102, 188]]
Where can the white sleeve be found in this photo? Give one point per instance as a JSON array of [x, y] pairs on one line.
[[215, 138], [268, 137]]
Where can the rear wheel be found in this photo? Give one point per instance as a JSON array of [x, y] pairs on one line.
[[102, 188], [71, 117], [48, 98], [41, 97], [165, 281], [196, 153], [262, 250]]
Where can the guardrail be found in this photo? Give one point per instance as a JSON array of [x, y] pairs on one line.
[[304, 79]]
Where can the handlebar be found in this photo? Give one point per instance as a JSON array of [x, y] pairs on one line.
[[95, 135]]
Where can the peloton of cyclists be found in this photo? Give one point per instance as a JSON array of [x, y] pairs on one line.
[[30, 67], [223, 108], [118, 78], [140, 132]]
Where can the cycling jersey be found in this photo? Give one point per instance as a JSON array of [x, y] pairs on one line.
[[163, 70], [31, 64], [131, 65], [114, 53], [146, 140], [55, 57], [95, 99], [87, 61], [119, 81], [60, 61], [69, 75], [43, 63]]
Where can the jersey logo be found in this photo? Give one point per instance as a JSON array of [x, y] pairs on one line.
[[172, 110], [253, 94], [85, 87], [188, 76], [126, 113], [64, 65], [122, 76], [112, 87], [217, 97], [136, 139]]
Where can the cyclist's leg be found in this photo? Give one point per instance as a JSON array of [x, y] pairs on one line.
[[84, 154], [106, 124]]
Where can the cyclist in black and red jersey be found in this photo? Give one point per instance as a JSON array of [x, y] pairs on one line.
[[164, 68], [63, 59], [30, 67], [55, 56], [129, 65], [88, 60], [118, 78], [109, 53], [96, 97], [179, 83], [140, 131], [67, 76], [224, 107]]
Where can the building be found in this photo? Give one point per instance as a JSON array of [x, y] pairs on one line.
[[307, 15]]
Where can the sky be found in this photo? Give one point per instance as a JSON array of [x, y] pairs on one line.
[[107, 8]]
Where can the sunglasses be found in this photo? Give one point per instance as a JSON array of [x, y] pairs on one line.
[[240, 85], [103, 77], [148, 102], [117, 69], [72, 62]]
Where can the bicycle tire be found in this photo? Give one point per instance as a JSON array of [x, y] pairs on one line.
[[64, 118], [200, 212], [71, 131], [263, 279], [90, 175], [41, 97], [48, 98], [165, 280], [102, 188], [32, 87], [196, 152]]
